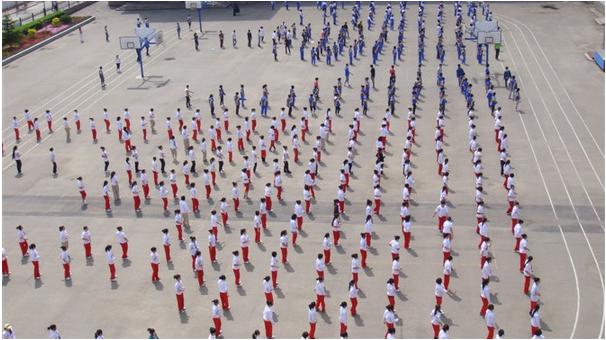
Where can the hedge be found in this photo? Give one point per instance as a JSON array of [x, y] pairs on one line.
[[38, 23]]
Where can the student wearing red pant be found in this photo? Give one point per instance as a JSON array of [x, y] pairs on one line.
[[123, 240], [111, 261], [35, 258], [447, 271], [535, 293], [257, 226], [22, 238], [216, 316], [336, 229], [236, 263], [66, 259], [86, 240], [268, 289], [105, 191], [436, 320], [389, 318], [363, 248], [377, 198], [353, 297], [518, 230], [235, 194], [212, 245], [155, 264], [179, 290], [134, 189], [223, 296], [485, 296], [535, 320], [312, 318], [343, 317], [439, 291], [320, 290], [5, 271], [320, 265], [81, 189], [523, 250], [326, 247], [298, 209], [395, 271], [355, 268], [490, 321], [273, 267], [244, 242], [442, 212], [166, 244], [527, 274], [391, 292], [199, 268], [268, 319], [284, 245], [406, 231]]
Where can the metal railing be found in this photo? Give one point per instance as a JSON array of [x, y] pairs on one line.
[[35, 10]]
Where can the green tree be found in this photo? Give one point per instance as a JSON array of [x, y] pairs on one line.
[[9, 35]]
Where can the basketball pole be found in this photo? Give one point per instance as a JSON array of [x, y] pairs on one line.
[[200, 18], [140, 61]]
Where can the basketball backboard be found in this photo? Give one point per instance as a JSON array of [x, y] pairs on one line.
[[130, 43], [193, 4], [489, 37]]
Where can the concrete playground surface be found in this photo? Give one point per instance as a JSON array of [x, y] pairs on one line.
[[557, 150]]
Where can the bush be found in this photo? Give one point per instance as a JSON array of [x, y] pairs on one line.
[[55, 22], [31, 33], [38, 23], [9, 32], [65, 18]]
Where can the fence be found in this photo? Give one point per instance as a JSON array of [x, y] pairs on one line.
[[34, 10]]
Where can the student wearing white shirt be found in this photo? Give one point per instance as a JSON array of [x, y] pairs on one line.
[[268, 319], [123, 240], [268, 289], [485, 296], [155, 264], [273, 268], [436, 320], [53, 332], [490, 321], [111, 261], [312, 318], [515, 215], [343, 317], [395, 271], [63, 237], [179, 291], [66, 259], [486, 271], [320, 265], [439, 291], [216, 316], [320, 291], [7, 332], [284, 245], [535, 293], [236, 263], [444, 332], [523, 250], [391, 292], [199, 268], [326, 247], [5, 271], [527, 274], [244, 242], [353, 296], [355, 268], [447, 271], [223, 296], [442, 212], [446, 247], [394, 246], [484, 251], [389, 318], [535, 320], [35, 258], [212, 245]]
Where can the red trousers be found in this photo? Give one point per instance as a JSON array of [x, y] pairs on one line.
[[106, 199], [490, 334], [66, 271], [240, 144], [307, 206], [144, 134], [269, 297], [127, 123], [342, 207], [388, 326], [224, 218], [208, 190], [83, 195], [112, 271], [236, 204], [279, 193], [320, 274], [296, 156], [312, 330], [5, 267], [38, 136], [299, 222], [284, 254], [156, 182], [212, 251], [274, 278], [396, 280], [107, 124], [368, 239], [257, 235], [17, 137], [514, 221], [254, 124], [438, 300], [23, 245], [200, 277], [174, 188], [50, 125], [245, 254], [237, 276], [268, 203], [180, 302], [484, 306], [137, 202], [167, 252], [165, 203], [354, 278], [436, 330], [482, 260], [30, 124], [195, 203], [124, 249], [198, 125], [522, 261], [335, 237], [130, 176], [406, 240], [327, 256], [179, 232], [526, 284], [363, 254], [186, 180], [517, 244], [155, 269], [224, 300], [94, 133], [294, 238], [217, 323], [441, 221], [392, 300], [354, 304], [533, 330], [268, 329], [342, 328], [87, 250], [145, 190], [320, 303], [264, 221], [377, 209]]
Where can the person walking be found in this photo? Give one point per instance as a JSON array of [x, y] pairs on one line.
[[179, 290], [102, 77]]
